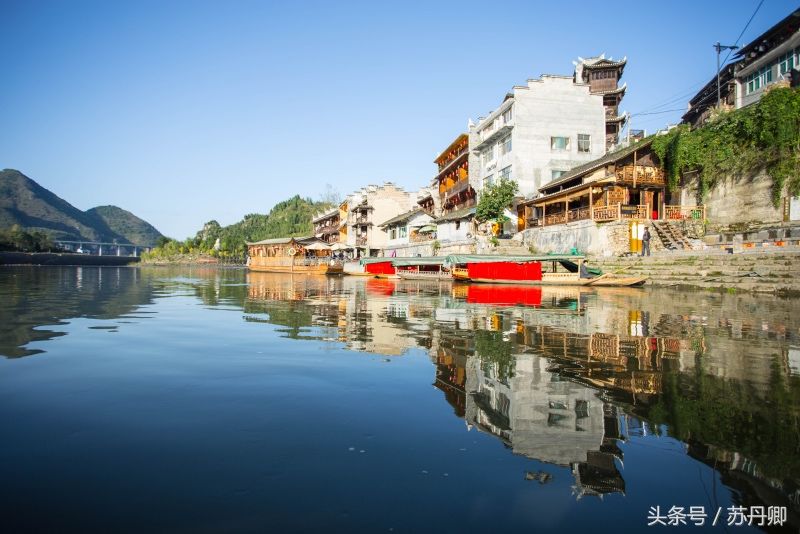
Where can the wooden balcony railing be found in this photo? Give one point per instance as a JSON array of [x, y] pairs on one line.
[[607, 213], [578, 214], [685, 212], [361, 241], [644, 175], [557, 218]]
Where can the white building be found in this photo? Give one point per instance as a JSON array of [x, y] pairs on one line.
[[366, 209], [540, 131], [406, 230]]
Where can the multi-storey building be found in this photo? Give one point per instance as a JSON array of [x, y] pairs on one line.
[[540, 131], [603, 74], [770, 59], [327, 225], [366, 210]]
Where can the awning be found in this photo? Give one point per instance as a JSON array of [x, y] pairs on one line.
[[317, 246], [427, 229]]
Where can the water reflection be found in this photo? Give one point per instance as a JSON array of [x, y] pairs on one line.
[[568, 378]]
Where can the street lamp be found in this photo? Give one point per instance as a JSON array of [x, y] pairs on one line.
[[720, 48]]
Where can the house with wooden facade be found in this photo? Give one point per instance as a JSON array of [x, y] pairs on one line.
[[328, 226], [627, 184]]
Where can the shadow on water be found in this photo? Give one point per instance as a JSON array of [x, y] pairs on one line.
[[569, 377]]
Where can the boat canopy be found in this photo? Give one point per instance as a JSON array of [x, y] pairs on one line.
[[367, 261], [461, 259], [406, 262]]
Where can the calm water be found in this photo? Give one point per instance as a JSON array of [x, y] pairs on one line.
[[216, 400]]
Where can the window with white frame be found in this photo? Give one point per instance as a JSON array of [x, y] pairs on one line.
[[557, 174], [488, 155], [507, 116], [505, 173], [786, 62], [487, 181], [393, 233], [402, 231], [559, 143], [584, 143], [759, 79], [505, 145]]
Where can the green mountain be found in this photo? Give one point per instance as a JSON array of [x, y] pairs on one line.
[[26, 204], [290, 217], [125, 224]]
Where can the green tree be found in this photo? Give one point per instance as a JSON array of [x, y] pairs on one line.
[[494, 201]]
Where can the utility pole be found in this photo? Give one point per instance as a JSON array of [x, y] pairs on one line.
[[719, 48]]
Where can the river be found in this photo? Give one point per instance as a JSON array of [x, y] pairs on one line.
[[208, 399]]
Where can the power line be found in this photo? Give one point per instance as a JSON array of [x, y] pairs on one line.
[[730, 51], [657, 112]]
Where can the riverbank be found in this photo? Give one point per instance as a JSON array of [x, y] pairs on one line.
[[773, 271], [51, 258]]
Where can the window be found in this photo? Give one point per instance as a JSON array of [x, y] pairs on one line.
[[505, 145], [584, 143], [488, 180], [393, 233], [402, 231], [559, 143], [488, 155], [458, 225], [759, 79], [557, 174], [505, 174], [786, 62], [507, 116]]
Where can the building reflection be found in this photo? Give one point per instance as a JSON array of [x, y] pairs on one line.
[[563, 375]]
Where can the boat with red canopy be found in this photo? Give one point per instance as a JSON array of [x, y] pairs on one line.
[[533, 270]]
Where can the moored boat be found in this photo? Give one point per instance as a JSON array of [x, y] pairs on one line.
[[422, 268], [532, 270], [299, 255], [378, 267]]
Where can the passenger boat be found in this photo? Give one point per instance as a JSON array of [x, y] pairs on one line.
[[299, 255], [532, 270], [378, 267], [430, 268]]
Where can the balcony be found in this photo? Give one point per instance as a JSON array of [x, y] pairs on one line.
[[644, 175], [494, 136]]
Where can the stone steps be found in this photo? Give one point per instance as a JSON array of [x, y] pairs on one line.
[[759, 272]]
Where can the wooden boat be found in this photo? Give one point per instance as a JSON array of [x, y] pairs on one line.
[[430, 268], [379, 267], [299, 255], [531, 270]]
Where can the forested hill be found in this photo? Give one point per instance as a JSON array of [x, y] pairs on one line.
[[288, 218], [26, 205]]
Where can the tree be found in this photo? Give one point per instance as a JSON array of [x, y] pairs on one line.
[[494, 201]]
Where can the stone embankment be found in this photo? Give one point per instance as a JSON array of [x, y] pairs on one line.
[[775, 271]]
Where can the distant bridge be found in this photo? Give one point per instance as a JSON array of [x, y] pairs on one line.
[[102, 249]]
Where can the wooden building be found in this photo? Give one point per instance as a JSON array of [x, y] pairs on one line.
[[603, 74], [626, 184], [452, 179]]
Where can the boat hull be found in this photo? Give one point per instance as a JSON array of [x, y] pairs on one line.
[[425, 276], [322, 268]]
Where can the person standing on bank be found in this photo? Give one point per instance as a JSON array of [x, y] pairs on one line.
[[646, 242]]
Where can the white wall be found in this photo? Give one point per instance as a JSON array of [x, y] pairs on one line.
[[552, 106]]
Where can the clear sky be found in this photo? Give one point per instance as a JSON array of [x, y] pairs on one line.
[[186, 111]]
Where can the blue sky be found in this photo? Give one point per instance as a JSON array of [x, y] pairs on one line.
[[186, 111]]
